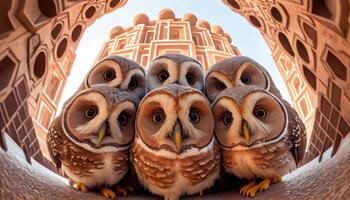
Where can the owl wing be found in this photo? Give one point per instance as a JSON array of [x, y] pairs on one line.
[[154, 169], [199, 167], [64, 151], [297, 134]]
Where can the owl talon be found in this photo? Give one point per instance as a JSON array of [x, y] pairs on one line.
[[80, 187], [245, 188], [121, 191], [108, 193], [276, 179], [263, 185]]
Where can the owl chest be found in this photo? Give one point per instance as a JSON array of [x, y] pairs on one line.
[[173, 177], [110, 170], [259, 162]]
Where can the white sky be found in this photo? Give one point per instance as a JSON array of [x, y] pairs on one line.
[[244, 36]]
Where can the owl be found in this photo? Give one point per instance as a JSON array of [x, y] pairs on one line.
[[118, 72], [237, 71], [175, 68], [174, 152], [261, 136], [90, 141]]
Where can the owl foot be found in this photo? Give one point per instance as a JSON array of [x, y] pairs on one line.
[[263, 185], [80, 187], [108, 193], [245, 188], [276, 179], [123, 191]]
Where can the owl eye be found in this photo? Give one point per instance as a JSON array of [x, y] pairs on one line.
[[108, 75], [158, 117], [246, 79], [260, 113], [163, 76], [227, 119], [220, 86], [90, 113], [123, 118], [132, 84], [194, 116], [190, 79]]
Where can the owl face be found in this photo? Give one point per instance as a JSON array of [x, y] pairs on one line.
[[248, 117], [175, 68], [234, 72], [118, 72], [175, 118], [100, 117]]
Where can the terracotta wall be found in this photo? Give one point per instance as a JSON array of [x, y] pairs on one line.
[[148, 39]]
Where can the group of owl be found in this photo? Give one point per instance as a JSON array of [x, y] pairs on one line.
[[176, 127]]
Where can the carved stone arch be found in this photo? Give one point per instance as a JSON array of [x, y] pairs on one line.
[[335, 65], [256, 21], [307, 26], [9, 65], [332, 13], [280, 15], [36, 13], [111, 5], [77, 31], [38, 64], [61, 47], [304, 52], [5, 20], [285, 43]]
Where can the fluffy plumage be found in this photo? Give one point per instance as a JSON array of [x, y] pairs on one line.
[[263, 137], [175, 68], [118, 72], [237, 71], [163, 166], [76, 149]]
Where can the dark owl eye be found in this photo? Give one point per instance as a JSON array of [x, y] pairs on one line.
[[158, 117], [190, 79], [246, 79], [260, 113], [163, 76], [90, 113], [123, 118], [108, 75], [194, 116], [227, 119], [220, 86], [132, 84]]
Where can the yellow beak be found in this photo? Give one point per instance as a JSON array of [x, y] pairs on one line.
[[246, 132], [102, 134], [178, 137]]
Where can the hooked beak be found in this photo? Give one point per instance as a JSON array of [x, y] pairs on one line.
[[245, 131], [102, 133], [177, 135]]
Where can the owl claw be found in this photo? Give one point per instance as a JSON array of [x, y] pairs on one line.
[[108, 193], [245, 188], [263, 185], [276, 179], [122, 192], [80, 187]]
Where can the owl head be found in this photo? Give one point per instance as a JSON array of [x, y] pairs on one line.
[[247, 117], [175, 118], [175, 68], [118, 72], [100, 118], [237, 71]]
